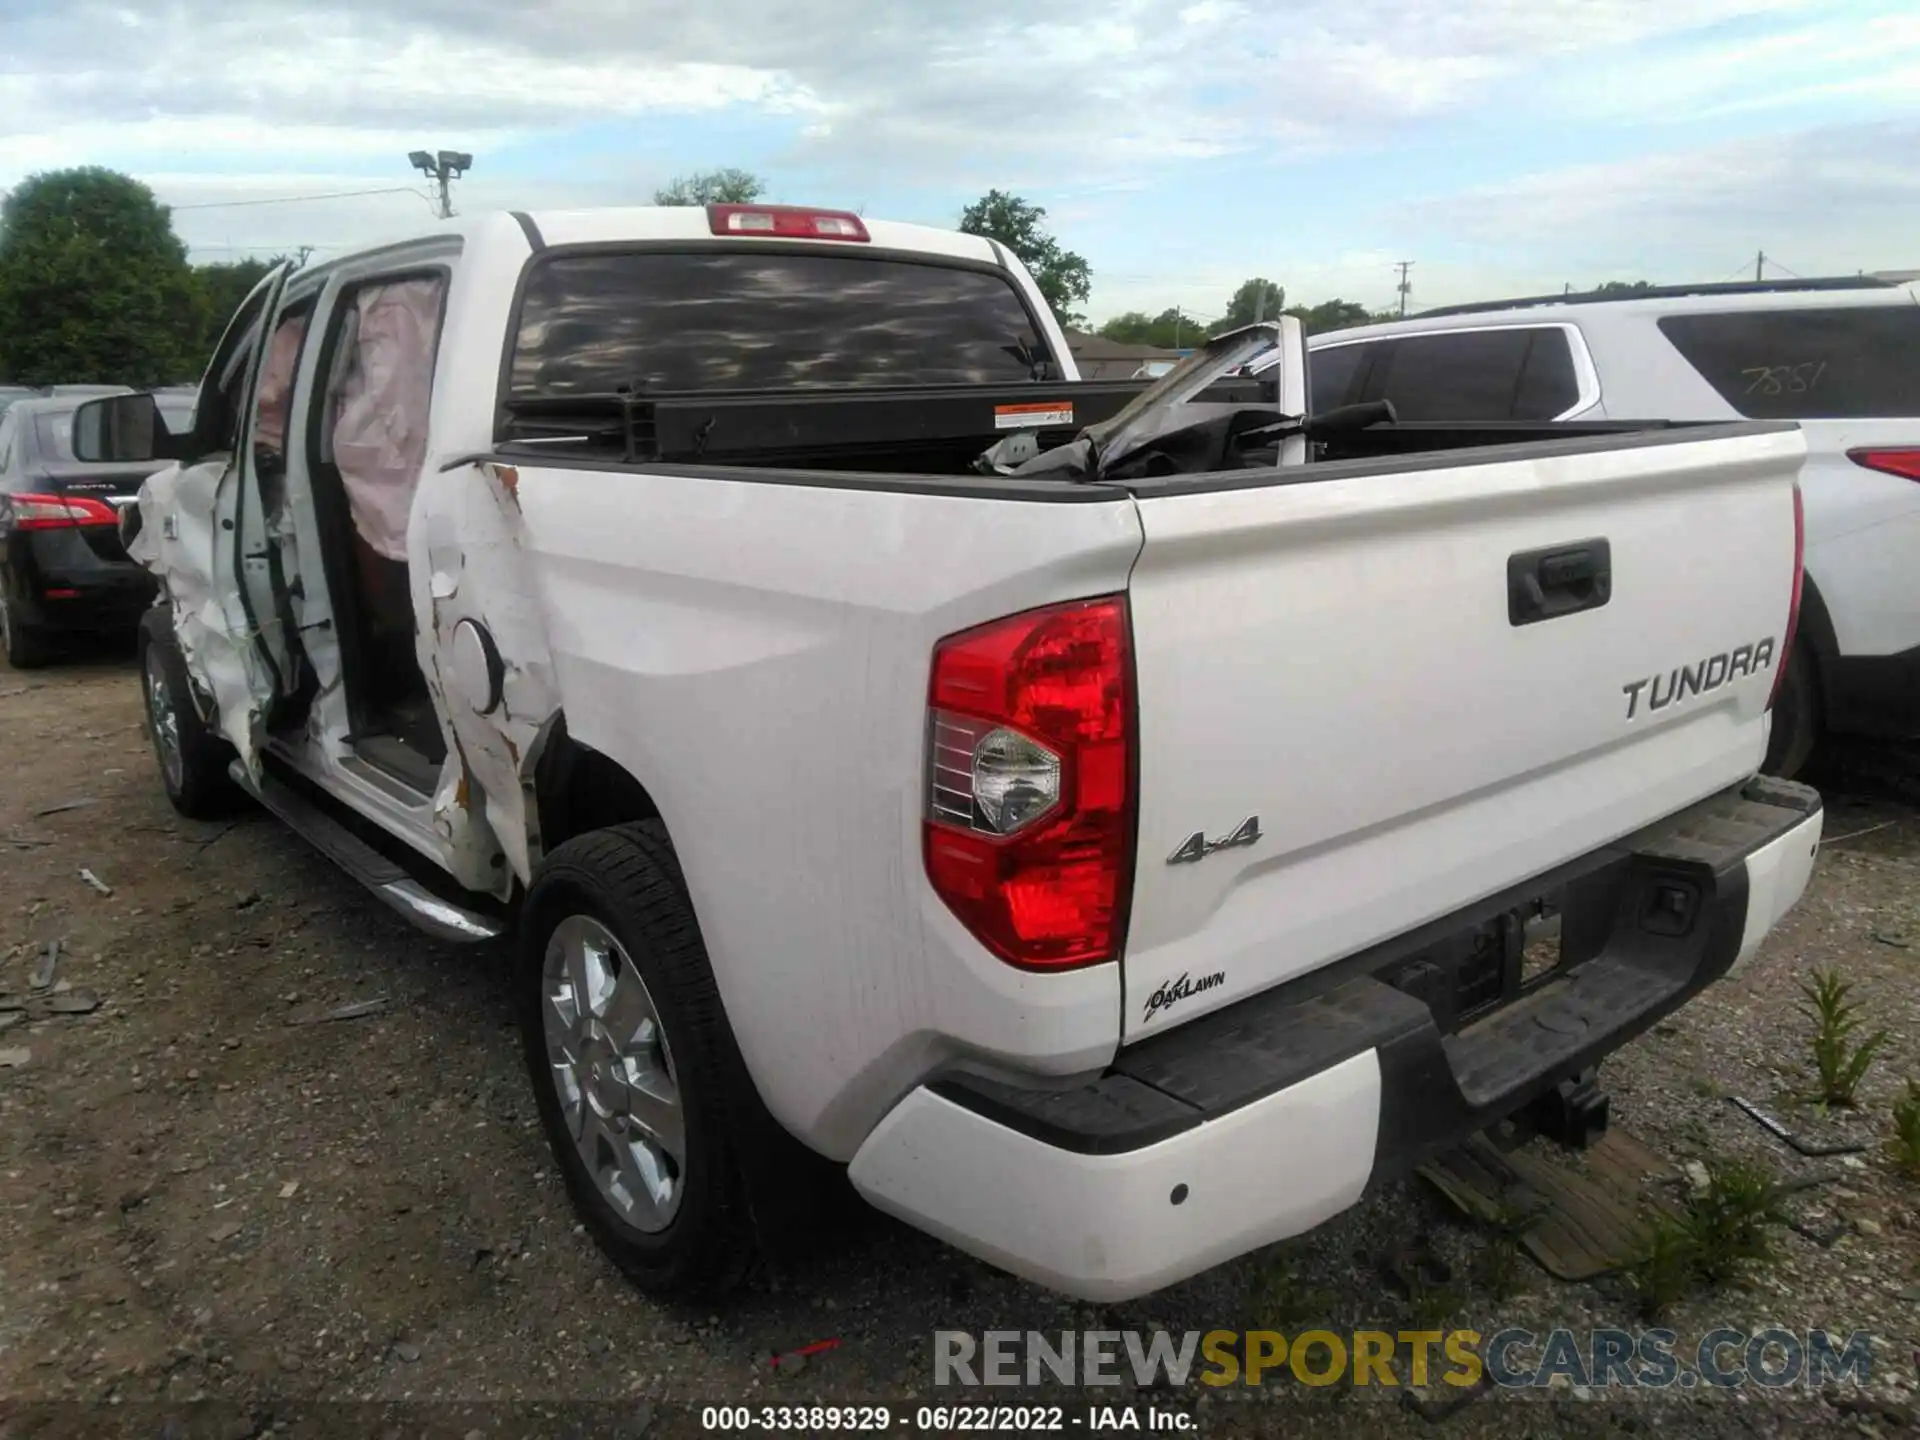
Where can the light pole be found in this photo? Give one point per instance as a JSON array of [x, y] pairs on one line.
[[447, 166]]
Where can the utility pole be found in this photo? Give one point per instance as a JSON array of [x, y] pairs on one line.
[[447, 166], [1405, 286], [1759, 264]]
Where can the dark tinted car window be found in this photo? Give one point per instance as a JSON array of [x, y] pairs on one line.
[[54, 431], [1508, 374], [1807, 364], [1332, 372], [1548, 385], [590, 324]]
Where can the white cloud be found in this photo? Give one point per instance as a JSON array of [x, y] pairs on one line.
[[1102, 86], [1837, 198], [1086, 101], [215, 228], [1868, 56]]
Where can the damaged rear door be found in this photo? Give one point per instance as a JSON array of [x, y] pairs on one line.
[[209, 529]]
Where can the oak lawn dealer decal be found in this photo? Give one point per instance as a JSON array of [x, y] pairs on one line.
[[1172, 992]]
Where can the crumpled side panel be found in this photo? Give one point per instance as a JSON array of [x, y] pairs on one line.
[[178, 526], [382, 405], [469, 531]]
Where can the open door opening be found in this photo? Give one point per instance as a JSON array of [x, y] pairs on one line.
[[370, 446]]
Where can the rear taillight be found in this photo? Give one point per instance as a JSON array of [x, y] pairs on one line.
[[1901, 460], [56, 512], [796, 222], [1793, 607], [1029, 819]]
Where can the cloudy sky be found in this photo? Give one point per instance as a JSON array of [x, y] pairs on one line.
[[1180, 145]]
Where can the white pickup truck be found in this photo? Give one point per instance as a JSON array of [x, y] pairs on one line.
[[1112, 820]]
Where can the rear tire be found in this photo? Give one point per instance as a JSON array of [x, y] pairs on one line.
[[25, 649], [632, 1075], [1796, 718], [193, 759]]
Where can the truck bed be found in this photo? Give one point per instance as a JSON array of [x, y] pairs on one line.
[[935, 430], [1333, 650]]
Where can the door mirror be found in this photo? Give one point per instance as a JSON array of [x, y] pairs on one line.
[[122, 428]]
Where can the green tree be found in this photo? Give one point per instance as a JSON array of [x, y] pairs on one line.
[[1331, 315], [1256, 299], [727, 186], [222, 286], [1171, 329], [1064, 278], [1130, 327], [94, 284], [1621, 287]]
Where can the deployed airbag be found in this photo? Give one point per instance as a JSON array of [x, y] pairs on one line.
[[381, 407]]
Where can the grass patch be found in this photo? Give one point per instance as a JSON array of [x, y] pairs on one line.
[[1903, 1138], [1733, 1221], [1662, 1271], [1497, 1270], [1282, 1297], [1840, 1062], [1723, 1231], [1431, 1304]]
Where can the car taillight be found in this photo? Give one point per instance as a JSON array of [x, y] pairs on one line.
[[793, 221], [56, 512], [1793, 607], [1901, 460], [1030, 807]]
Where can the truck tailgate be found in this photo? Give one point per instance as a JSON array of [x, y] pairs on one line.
[[1355, 667]]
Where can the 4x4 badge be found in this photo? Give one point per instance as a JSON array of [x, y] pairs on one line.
[[1198, 847]]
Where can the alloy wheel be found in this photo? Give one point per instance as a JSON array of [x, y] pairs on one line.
[[165, 720], [613, 1073]]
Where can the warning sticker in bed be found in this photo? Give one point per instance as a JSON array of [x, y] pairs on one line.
[[1032, 417]]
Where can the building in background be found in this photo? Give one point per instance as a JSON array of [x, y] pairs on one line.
[[1099, 358]]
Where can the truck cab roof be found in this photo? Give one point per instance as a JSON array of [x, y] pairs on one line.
[[613, 225]]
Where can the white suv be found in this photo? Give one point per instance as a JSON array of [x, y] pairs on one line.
[[1841, 357]]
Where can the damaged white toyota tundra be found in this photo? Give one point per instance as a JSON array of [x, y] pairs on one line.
[[1116, 823]]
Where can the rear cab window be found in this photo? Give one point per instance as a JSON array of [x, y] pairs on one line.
[[738, 319], [1837, 363]]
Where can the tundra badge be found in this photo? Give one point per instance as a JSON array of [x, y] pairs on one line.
[[1699, 678]]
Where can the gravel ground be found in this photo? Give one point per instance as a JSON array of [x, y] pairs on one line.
[[252, 1226]]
